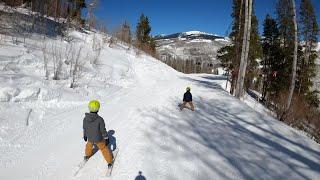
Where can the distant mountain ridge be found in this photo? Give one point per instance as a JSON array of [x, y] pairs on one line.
[[196, 47], [190, 35]]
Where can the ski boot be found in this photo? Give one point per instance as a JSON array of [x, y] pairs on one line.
[[86, 158], [110, 166]]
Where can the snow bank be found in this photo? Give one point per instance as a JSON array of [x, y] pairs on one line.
[[7, 93], [201, 40], [222, 40], [27, 95]]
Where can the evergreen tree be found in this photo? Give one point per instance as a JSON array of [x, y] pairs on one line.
[[286, 35], [143, 30], [144, 40], [255, 52], [225, 55], [272, 81], [230, 55], [308, 34]]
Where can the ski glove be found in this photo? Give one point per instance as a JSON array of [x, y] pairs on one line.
[[107, 141], [85, 138]]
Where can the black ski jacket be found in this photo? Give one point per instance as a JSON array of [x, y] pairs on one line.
[[94, 128], [187, 97]]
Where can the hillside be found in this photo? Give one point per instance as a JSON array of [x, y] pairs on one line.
[[223, 139], [22, 22], [196, 46]]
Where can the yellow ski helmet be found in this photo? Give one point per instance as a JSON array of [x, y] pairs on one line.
[[188, 88], [94, 106]]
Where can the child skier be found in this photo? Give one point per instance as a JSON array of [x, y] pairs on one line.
[[94, 132], [187, 99]]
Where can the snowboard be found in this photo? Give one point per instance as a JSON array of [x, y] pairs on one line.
[[109, 170]]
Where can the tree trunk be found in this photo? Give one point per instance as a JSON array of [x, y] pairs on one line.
[[238, 48], [57, 7], [294, 64], [247, 44], [245, 48]]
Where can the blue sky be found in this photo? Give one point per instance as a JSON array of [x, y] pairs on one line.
[[170, 16]]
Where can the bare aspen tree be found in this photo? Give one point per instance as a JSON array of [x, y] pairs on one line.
[[69, 57], [94, 41], [96, 55], [45, 60], [294, 64], [76, 68], [91, 18], [57, 9], [245, 48], [57, 62]]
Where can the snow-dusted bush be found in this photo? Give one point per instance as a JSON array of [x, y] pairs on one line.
[[1, 38], [96, 48], [76, 63], [53, 54], [57, 59], [66, 60], [96, 55], [45, 60]]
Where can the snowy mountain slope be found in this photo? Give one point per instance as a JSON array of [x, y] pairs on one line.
[[192, 45], [223, 139], [190, 35]]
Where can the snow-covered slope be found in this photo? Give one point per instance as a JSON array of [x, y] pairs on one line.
[[222, 139]]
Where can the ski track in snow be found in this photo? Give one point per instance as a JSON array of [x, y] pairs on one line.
[[222, 139]]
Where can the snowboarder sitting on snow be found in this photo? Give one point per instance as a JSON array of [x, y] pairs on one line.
[[187, 99], [94, 132]]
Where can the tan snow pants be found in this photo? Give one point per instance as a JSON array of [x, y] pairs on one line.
[[102, 147], [190, 103]]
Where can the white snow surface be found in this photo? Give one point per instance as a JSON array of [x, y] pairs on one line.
[[198, 33], [223, 139], [201, 40]]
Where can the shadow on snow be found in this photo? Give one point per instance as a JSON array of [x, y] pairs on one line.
[[242, 138]]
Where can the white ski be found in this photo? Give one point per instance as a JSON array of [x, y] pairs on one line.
[[109, 171], [80, 166]]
